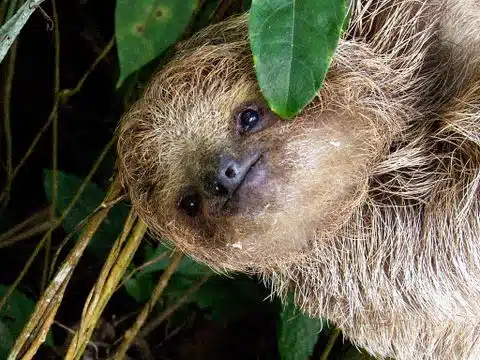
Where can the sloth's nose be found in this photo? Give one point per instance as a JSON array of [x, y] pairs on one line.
[[231, 173]]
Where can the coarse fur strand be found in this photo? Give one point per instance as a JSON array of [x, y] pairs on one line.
[[387, 248]]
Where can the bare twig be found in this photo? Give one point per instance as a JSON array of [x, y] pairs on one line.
[[58, 221], [34, 333], [170, 310], [35, 219], [56, 89], [82, 223], [141, 267], [331, 341], [25, 157], [6, 119], [66, 93], [35, 230], [62, 96], [111, 274], [131, 334]]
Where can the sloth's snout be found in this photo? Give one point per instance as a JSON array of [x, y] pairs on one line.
[[232, 172]]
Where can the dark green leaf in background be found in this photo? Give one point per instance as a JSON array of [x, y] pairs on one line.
[[90, 199], [142, 283], [13, 317], [140, 287], [6, 340], [145, 28], [298, 333], [223, 297], [187, 266], [292, 42], [354, 354]]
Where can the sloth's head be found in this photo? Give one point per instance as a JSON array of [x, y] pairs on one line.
[[211, 168]]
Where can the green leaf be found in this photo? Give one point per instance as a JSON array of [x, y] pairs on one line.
[[90, 199], [293, 42], [145, 28], [6, 340], [223, 297], [298, 333], [10, 30], [187, 266], [13, 317], [140, 287]]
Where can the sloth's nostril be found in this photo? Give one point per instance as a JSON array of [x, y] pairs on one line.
[[230, 172]]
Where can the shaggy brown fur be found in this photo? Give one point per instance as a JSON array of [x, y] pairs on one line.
[[367, 204]]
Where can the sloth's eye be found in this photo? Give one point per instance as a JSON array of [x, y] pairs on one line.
[[252, 117], [249, 119], [190, 204]]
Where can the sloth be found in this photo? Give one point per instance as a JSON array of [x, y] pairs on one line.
[[365, 205]]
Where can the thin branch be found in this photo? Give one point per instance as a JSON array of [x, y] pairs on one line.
[[141, 267], [82, 223], [112, 272], [67, 210], [71, 92], [331, 341], [7, 127], [34, 333], [27, 265], [63, 95], [35, 230], [131, 334], [56, 89], [170, 310], [6, 189], [36, 218]]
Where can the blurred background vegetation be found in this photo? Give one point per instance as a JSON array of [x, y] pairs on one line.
[[63, 90]]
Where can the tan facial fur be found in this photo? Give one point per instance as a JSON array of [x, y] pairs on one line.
[[366, 204]]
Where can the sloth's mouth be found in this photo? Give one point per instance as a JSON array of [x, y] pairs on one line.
[[253, 174]]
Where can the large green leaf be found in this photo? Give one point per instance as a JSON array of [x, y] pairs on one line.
[[145, 28], [298, 333], [90, 199], [293, 42], [13, 317]]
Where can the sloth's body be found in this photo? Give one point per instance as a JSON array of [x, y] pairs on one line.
[[367, 204]]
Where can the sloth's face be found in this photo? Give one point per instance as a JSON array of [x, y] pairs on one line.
[[228, 181]]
